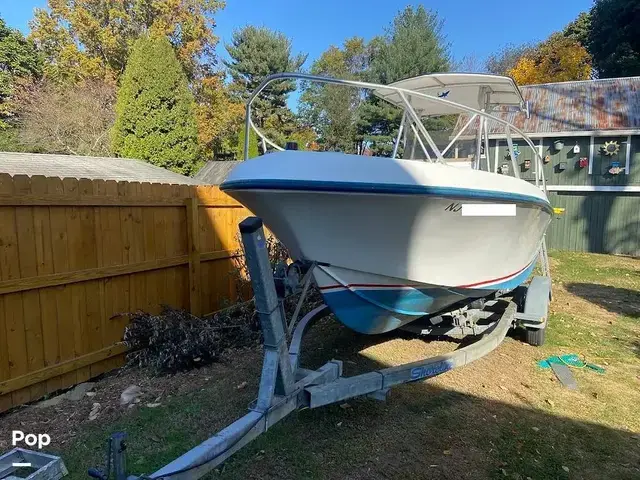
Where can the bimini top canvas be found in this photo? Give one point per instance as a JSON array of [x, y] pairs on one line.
[[476, 90]]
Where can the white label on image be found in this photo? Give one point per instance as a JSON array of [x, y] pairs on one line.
[[488, 209]]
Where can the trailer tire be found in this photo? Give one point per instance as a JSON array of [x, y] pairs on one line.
[[535, 336], [519, 296]]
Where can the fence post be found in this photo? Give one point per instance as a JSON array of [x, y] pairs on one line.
[[194, 255]]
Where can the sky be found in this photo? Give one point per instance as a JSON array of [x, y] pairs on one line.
[[474, 28]]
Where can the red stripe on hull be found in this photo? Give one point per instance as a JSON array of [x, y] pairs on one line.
[[418, 285]]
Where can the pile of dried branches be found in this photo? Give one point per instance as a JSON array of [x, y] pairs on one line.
[[176, 341]]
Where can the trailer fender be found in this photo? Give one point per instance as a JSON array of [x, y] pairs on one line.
[[536, 303]]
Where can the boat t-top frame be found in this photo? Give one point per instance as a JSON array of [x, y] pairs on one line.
[[486, 98]]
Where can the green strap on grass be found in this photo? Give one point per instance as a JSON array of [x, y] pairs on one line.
[[570, 360]]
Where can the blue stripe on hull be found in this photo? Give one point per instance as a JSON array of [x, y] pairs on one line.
[[387, 188], [382, 310]]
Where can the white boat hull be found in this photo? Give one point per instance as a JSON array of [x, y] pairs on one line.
[[393, 246]]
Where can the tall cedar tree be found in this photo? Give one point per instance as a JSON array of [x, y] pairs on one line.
[[414, 45], [253, 144], [155, 109], [614, 38], [257, 52]]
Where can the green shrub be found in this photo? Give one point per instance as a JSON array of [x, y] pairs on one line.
[[155, 109], [9, 141]]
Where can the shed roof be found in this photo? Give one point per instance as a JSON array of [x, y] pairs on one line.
[[104, 168], [214, 172], [581, 106]]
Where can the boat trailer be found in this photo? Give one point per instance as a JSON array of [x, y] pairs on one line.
[[286, 387]]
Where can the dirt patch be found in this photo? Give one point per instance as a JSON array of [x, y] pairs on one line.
[[63, 422]]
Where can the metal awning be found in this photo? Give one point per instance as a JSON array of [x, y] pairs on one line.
[[476, 90]]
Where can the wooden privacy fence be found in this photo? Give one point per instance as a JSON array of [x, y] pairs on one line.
[[76, 254]]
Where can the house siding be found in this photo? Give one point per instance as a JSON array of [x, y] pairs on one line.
[[598, 222]]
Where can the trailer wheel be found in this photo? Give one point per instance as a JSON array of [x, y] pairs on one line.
[[535, 336]]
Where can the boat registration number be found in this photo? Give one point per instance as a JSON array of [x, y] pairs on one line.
[[453, 207]]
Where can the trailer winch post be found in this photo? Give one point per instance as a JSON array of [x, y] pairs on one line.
[[116, 458], [276, 352]]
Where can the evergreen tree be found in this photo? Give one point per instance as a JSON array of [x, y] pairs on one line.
[[155, 109], [413, 46], [579, 29], [253, 144], [614, 39], [257, 52]]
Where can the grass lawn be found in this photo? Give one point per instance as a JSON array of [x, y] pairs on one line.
[[500, 417]]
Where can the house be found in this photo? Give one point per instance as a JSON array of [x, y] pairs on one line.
[[93, 168], [588, 133]]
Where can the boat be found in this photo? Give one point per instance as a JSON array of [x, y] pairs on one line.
[[393, 240]]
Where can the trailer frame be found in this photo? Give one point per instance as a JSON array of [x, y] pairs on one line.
[[286, 387]]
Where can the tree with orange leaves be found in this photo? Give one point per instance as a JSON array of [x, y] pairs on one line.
[[92, 38], [88, 39], [558, 59], [218, 115]]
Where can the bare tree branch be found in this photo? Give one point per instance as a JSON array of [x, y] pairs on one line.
[[73, 119]]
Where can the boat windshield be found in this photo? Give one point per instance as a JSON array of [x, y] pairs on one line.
[[444, 118]]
